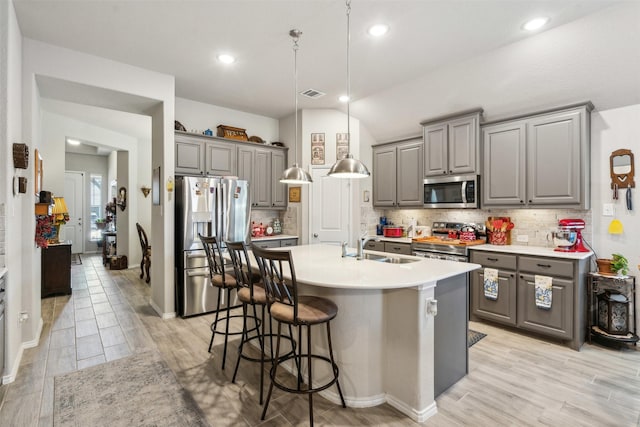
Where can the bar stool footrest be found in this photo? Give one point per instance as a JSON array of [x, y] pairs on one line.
[[227, 319], [309, 390]]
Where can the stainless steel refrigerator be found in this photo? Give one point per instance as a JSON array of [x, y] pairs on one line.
[[218, 207]]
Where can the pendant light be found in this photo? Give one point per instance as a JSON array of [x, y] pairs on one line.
[[295, 174], [348, 167]]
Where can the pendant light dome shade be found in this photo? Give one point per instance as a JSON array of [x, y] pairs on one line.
[[295, 174], [349, 168]]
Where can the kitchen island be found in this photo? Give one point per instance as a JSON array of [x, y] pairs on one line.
[[383, 336]]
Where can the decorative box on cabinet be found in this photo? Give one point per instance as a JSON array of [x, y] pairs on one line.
[[451, 143], [56, 269], [538, 160]]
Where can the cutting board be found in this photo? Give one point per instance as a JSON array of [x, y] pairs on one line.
[[440, 241]]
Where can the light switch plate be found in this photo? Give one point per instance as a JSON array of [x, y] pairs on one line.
[[607, 209]]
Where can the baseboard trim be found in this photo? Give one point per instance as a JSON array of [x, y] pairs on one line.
[[11, 377], [419, 416], [163, 316]]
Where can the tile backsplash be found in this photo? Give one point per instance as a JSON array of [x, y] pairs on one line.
[[536, 224]]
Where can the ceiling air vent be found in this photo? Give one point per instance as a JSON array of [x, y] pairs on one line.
[[312, 93]]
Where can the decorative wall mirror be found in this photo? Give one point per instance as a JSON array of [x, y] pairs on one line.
[[622, 169]]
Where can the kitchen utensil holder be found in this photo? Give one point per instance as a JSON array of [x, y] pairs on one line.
[[499, 237]]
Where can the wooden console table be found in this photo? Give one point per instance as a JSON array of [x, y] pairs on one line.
[[56, 269]]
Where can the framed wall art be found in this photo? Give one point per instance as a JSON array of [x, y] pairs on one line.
[[317, 148], [342, 145], [38, 172], [294, 194]]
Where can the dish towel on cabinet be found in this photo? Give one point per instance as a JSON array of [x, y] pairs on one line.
[[544, 291], [491, 283]]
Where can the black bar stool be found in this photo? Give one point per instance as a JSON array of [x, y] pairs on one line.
[[225, 283], [289, 308]]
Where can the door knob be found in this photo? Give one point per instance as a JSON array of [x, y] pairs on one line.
[[315, 235]]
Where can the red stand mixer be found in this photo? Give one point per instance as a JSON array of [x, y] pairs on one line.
[[568, 238]]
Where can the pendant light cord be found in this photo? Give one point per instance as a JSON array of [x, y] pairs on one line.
[[295, 34], [348, 78]]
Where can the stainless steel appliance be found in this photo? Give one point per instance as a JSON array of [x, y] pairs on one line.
[[218, 207], [568, 237], [454, 191], [446, 244]]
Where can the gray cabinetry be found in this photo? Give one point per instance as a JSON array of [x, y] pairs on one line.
[[262, 167], [220, 158], [516, 304], [397, 174], [539, 160], [275, 243], [278, 190], [373, 245], [451, 144], [503, 309], [397, 248], [189, 155]]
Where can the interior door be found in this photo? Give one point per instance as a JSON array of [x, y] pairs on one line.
[[330, 210], [74, 196]]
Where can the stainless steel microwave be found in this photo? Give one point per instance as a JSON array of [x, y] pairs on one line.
[[454, 191]]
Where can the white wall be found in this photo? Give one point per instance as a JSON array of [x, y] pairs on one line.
[[197, 117], [610, 131]]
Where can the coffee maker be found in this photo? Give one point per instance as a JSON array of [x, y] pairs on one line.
[[568, 237]]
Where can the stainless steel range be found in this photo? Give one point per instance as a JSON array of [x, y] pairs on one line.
[[448, 245]]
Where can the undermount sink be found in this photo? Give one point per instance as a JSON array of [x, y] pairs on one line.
[[388, 259]]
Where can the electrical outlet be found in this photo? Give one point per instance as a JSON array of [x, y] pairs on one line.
[[607, 209], [523, 238]]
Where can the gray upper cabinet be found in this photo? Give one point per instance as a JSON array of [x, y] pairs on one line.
[[397, 174], [451, 144], [261, 165], [189, 155], [540, 160], [220, 158]]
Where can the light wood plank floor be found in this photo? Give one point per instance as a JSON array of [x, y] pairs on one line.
[[514, 379]]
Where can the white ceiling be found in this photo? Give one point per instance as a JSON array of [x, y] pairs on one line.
[[427, 38]]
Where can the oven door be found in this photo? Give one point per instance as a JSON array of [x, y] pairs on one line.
[[459, 191]]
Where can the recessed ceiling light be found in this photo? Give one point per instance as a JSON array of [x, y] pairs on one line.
[[343, 98], [378, 30], [535, 23], [73, 141], [226, 58]]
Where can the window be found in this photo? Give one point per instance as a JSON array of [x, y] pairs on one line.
[[95, 206]]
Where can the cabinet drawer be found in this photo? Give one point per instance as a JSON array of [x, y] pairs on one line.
[[494, 260], [288, 242], [266, 244], [398, 248], [374, 246], [546, 266]]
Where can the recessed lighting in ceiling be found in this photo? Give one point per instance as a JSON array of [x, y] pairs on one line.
[[343, 98], [226, 58], [71, 141], [378, 30], [535, 23]]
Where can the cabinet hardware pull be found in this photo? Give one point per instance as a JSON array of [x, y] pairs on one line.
[[544, 265], [530, 201], [492, 259]]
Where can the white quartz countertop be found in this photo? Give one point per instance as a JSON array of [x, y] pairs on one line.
[[531, 250], [274, 237], [322, 265]]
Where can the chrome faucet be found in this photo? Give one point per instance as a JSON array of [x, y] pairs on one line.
[[361, 244]]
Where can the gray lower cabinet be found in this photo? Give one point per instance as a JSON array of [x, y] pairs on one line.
[[275, 243], [503, 309], [397, 174], [540, 160], [372, 245], [516, 303], [397, 248]]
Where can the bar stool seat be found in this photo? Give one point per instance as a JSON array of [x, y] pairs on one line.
[[291, 309], [259, 295]]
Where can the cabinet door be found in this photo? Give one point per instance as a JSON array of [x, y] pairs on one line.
[[435, 149], [463, 145], [288, 242], [372, 245], [189, 157], [278, 190], [553, 159], [503, 179], [503, 309], [261, 185], [56, 270], [384, 176], [266, 244], [245, 165], [220, 158], [556, 321], [410, 189], [398, 248]]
